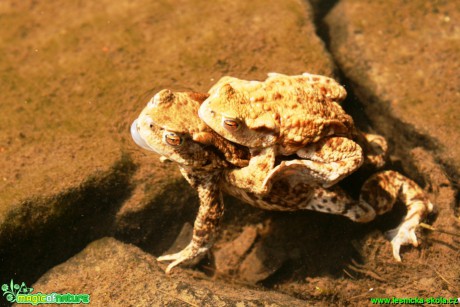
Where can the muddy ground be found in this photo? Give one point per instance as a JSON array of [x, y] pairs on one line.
[[75, 75]]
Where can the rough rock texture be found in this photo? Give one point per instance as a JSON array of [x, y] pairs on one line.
[[160, 203], [63, 173], [74, 76], [402, 59], [248, 257], [117, 274]]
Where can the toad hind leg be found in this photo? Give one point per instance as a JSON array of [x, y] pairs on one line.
[[206, 223], [336, 201], [382, 190]]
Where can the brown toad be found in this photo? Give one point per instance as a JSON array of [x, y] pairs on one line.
[[207, 169], [282, 116]]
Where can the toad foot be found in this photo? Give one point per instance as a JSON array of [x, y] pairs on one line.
[[404, 234], [188, 253]]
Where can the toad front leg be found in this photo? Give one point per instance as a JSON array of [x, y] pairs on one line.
[[325, 162], [206, 223], [252, 178]]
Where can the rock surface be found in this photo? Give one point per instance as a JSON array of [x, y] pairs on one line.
[[402, 60], [248, 257], [117, 274]]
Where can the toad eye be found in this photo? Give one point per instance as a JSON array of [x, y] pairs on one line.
[[172, 139], [231, 124]]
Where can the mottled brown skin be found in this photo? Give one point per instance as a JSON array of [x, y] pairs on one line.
[[284, 115], [287, 111], [375, 149], [208, 171]]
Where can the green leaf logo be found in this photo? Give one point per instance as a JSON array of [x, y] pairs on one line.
[[12, 290]]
